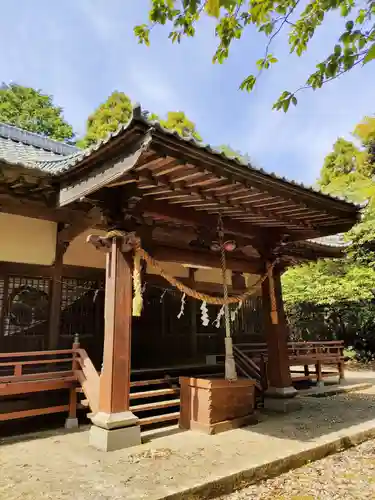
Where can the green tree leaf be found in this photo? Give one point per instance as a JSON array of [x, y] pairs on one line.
[[233, 17], [178, 122], [213, 8], [116, 110], [32, 110], [370, 54]]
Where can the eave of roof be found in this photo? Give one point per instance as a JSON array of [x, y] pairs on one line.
[[333, 241], [59, 165]]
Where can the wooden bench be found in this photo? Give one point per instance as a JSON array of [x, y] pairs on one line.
[[304, 354]]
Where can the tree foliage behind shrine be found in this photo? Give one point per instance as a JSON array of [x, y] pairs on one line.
[[335, 298], [32, 110], [117, 110]]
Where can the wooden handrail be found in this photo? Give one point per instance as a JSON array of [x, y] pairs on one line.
[[253, 366], [35, 353], [36, 362], [88, 377]]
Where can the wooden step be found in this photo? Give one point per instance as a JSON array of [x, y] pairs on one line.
[[152, 394], [156, 381], [155, 406], [159, 418]]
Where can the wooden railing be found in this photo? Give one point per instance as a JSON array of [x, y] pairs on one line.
[[38, 371], [89, 379], [329, 351], [317, 353], [248, 368]]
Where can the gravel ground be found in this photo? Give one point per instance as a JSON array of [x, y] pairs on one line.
[[346, 475], [61, 466]]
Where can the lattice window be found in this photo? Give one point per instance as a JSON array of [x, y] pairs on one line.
[[249, 320], [82, 307], [2, 298], [25, 306]]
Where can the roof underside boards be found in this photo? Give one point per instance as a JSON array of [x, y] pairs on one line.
[[172, 175]]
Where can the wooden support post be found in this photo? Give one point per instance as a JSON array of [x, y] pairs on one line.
[[341, 371], [56, 292], [278, 371], [341, 365], [114, 425], [319, 375], [72, 421], [193, 317]]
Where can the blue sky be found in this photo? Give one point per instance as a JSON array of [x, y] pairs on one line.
[[81, 50]]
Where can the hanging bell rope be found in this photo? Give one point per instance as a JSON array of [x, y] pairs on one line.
[[230, 364], [141, 254], [137, 285]]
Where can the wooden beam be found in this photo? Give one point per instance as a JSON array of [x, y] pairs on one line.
[[56, 289], [80, 223], [192, 304], [115, 377], [171, 213], [37, 209], [204, 258], [276, 331]]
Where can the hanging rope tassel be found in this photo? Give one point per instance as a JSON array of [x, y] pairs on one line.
[[204, 314], [218, 317], [137, 284], [233, 314], [183, 300]]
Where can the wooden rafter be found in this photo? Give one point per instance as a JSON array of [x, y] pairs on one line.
[[165, 183], [166, 213], [252, 178]]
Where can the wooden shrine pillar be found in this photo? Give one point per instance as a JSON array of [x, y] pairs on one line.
[[280, 386], [56, 288], [193, 317], [56, 296], [115, 426]]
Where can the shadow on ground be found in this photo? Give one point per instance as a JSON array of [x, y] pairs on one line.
[[319, 416]]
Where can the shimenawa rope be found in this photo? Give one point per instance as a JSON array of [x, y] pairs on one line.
[[140, 253]]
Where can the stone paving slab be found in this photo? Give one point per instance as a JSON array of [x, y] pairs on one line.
[[186, 465]]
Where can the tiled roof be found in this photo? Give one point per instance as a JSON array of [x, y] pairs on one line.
[[23, 148], [57, 163], [139, 116], [334, 241]]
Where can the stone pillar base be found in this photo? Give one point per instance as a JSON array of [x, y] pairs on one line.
[[114, 439], [281, 399], [281, 405], [71, 423], [114, 431], [281, 392]]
